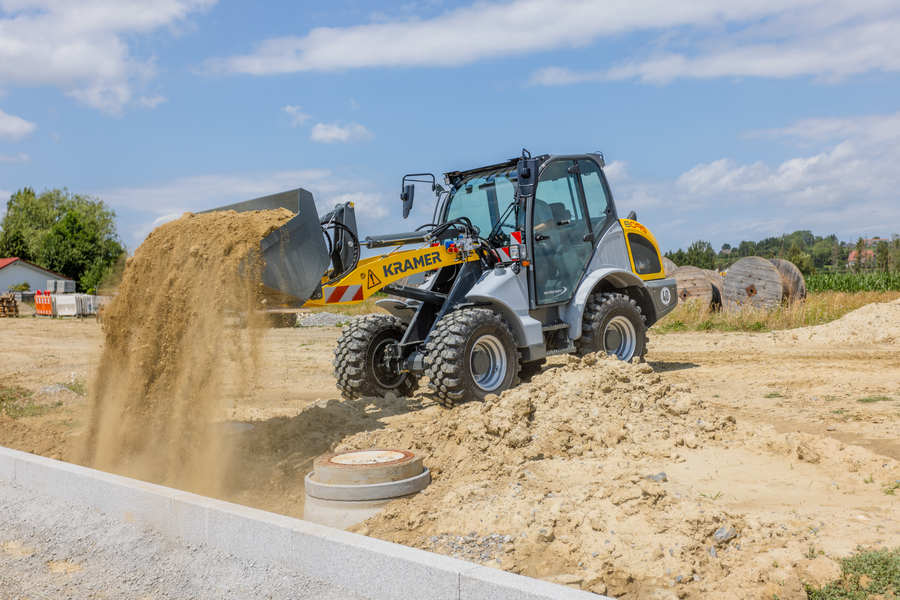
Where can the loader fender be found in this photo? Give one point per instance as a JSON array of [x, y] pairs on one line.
[[507, 293], [617, 278], [399, 309]]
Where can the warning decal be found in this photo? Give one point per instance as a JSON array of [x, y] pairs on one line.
[[373, 280]]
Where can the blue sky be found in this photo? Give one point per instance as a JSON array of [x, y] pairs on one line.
[[720, 121]]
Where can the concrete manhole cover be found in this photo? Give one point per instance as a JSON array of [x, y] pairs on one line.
[[368, 457]]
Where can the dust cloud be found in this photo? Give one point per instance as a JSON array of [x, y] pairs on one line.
[[171, 337]]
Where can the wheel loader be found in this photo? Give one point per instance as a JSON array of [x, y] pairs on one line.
[[523, 260]]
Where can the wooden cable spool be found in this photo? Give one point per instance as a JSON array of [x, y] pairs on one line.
[[668, 266], [693, 285], [792, 278], [718, 283], [753, 281]]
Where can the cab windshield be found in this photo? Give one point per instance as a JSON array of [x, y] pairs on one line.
[[484, 199]]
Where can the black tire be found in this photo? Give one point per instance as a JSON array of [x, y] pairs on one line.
[[527, 370], [358, 355], [613, 323], [472, 353]]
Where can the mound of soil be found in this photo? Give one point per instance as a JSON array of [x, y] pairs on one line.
[[877, 323], [560, 479]]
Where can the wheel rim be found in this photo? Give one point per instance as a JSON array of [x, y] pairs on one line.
[[488, 363], [619, 338], [383, 376]]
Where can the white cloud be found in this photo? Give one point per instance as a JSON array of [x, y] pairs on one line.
[[368, 205], [354, 105], [616, 171], [849, 188], [771, 38], [14, 128], [149, 101], [18, 158], [83, 47], [873, 129], [330, 134], [297, 117], [830, 54], [144, 228]]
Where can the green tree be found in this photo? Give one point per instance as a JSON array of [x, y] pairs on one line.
[[895, 252], [883, 256], [837, 254], [726, 246], [678, 257], [746, 249], [74, 248], [701, 255], [12, 244], [821, 253], [860, 254], [36, 227], [801, 259]]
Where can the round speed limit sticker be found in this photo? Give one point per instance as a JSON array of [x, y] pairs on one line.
[[665, 296]]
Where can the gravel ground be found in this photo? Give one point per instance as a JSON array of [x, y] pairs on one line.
[[53, 550], [322, 319]]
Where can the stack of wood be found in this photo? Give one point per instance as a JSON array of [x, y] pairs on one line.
[[761, 283], [8, 306]]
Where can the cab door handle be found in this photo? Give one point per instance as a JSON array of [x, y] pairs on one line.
[[588, 238]]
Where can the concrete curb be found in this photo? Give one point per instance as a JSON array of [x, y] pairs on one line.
[[374, 568]]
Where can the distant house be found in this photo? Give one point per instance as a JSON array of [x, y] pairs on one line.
[[14, 271], [867, 258]]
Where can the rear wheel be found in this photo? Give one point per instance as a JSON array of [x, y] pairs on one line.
[[472, 353], [613, 323], [359, 358]]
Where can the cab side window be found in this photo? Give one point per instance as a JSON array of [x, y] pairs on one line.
[[595, 196]]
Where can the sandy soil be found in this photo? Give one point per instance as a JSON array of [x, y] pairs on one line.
[[761, 438]]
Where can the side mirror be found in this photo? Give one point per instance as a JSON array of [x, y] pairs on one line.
[[407, 195], [526, 176]]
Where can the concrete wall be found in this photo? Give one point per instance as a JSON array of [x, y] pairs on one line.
[[371, 567]]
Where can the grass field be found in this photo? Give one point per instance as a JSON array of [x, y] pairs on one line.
[[819, 307]]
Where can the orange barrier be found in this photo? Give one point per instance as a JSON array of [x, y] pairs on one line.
[[43, 305]]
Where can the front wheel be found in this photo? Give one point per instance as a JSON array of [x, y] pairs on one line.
[[359, 358], [613, 323], [472, 353]]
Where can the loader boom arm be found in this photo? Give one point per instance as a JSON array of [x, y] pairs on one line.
[[373, 274]]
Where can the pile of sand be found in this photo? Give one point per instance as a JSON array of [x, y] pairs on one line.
[[562, 479], [551, 479], [877, 323], [169, 344]]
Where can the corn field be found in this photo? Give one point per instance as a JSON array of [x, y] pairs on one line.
[[852, 283]]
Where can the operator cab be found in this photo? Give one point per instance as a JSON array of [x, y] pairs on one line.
[[570, 210]]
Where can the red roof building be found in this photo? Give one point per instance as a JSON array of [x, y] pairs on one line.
[[14, 271], [868, 257]]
